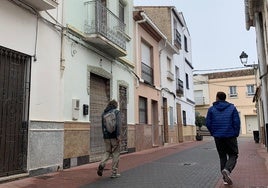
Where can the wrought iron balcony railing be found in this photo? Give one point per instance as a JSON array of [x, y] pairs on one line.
[[179, 87], [177, 39], [147, 73], [100, 20]]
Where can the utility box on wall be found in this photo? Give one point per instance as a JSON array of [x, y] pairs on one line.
[[85, 109], [75, 108]]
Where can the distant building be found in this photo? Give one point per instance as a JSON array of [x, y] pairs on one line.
[[239, 86]]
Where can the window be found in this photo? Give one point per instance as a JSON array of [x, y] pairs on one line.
[[146, 69], [184, 117], [169, 64], [185, 44], [250, 90], [187, 80], [142, 110], [177, 71], [233, 92], [199, 97], [170, 74]]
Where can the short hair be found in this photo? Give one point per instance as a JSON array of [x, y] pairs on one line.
[[221, 96], [113, 103]]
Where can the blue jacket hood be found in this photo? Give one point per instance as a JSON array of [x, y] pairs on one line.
[[221, 105]]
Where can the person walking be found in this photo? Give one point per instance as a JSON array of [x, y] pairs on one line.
[[223, 123], [111, 136]]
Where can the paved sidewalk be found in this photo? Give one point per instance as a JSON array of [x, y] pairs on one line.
[[177, 165]]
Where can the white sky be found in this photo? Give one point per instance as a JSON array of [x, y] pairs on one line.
[[217, 29]]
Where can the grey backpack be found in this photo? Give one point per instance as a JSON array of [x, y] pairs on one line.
[[110, 121]]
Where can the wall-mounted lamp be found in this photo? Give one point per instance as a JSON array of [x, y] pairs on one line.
[[244, 60]]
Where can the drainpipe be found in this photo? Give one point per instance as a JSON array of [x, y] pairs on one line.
[[136, 43], [63, 32]]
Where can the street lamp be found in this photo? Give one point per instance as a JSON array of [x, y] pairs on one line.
[[244, 60]]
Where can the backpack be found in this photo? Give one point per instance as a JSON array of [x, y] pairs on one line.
[[109, 120]]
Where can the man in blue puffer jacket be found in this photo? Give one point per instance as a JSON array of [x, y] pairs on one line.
[[223, 123]]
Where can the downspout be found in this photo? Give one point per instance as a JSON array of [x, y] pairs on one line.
[[63, 33], [136, 44]]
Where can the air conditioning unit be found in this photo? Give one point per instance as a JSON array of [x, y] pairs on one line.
[[41, 5]]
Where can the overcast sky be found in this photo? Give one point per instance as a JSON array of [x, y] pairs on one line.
[[217, 29]]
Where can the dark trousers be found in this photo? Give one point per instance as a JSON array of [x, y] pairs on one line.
[[228, 152]]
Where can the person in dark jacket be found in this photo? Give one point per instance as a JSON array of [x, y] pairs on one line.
[[223, 123], [112, 141]]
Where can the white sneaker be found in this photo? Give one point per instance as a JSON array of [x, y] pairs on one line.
[[115, 175], [224, 181], [226, 176]]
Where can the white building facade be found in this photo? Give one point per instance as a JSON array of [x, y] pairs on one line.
[[61, 63], [31, 105]]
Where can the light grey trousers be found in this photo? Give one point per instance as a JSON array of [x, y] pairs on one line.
[[112, 147]]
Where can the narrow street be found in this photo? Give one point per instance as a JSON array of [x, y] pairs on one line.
[[185, 165]]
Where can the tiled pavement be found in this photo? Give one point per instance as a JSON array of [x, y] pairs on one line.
[[185, 165]]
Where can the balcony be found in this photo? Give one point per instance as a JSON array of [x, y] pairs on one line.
[[41, 5], [170, 75], [177, 39], [179, 87], [147, 74], [104, 30]]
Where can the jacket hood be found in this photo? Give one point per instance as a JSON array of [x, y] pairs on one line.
[[221, 105]]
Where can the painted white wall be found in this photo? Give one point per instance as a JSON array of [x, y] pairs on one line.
[[19, 34], [167, 83], [76, 65], [184, 68]]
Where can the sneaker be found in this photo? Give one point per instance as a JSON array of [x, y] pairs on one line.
[[226, 176], [224, 181], [100, 170], [115, 175]]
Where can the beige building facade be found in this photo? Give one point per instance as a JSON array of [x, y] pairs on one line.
[[239, 86]]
